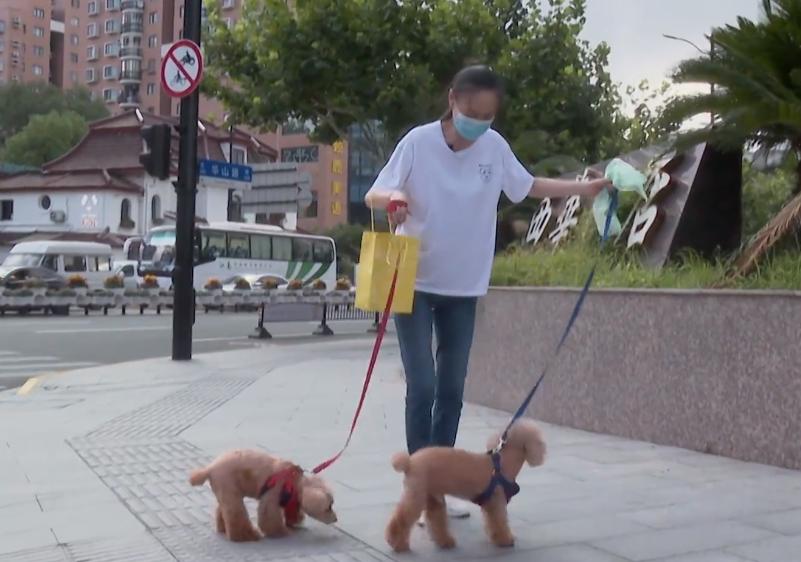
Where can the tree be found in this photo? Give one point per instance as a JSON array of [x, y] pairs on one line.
[[384, 66], [45, 137], [18, 102], [756, 69]]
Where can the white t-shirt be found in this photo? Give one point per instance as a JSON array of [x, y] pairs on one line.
[[453, 201]]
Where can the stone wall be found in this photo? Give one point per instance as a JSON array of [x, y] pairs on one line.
[[713, 371]]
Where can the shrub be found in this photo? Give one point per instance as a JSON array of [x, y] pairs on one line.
[[242, 284], [114, 282], [77, 281], [295, 285], [213, 284], [343, 284], [150, 282], [270, 283], [319, 285]]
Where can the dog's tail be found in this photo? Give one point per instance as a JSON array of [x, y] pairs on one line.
[[400, 462], [199, 476]]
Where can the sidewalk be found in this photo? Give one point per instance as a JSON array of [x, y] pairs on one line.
[[94, 467]]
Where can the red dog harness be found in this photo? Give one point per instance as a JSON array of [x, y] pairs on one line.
[[289, 500]]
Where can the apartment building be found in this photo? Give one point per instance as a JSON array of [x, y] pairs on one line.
[[25, 40]]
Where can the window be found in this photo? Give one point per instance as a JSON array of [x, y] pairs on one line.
[[2, 65], [112, 26], [38, 70], [238, 246], [75, 3], [103, 264], [108, 95], [153, 17], [302, 250], [155, 208], [112, 4], [91, 52], [74, 58], [74, 40], [6, 209], [38, 31], [153, 41], [312, 210], [2, 26], [111, 49], [301, 154], [109, 72], [44, 202], [228, 4], [38, 51], [323, 251], [73, 76], [39, 13], [260, 247], [212, 244], [282, 248], [238, 155], [91, 8], [125, 214], [50, 261], [151, 66], [91, 30], [229, 23], [2, 45], [151, 89], [75, 22], [74, 264]]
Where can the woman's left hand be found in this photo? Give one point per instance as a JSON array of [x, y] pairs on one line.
[[594, 187]]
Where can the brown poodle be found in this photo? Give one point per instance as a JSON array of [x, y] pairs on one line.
[[284, 494], [436, 472]]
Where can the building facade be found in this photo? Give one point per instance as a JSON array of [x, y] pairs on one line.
[[25, 40]]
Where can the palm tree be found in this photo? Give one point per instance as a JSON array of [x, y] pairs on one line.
[[756, 67]]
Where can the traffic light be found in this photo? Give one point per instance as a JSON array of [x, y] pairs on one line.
[[156, 154]]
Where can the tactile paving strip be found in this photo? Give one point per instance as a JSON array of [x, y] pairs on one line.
[[174, 413]]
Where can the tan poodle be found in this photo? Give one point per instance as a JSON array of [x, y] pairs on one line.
[[283, 491], [436, 472]]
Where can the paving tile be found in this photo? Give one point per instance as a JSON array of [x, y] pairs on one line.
[[36, 537], [684, 540], [775, 549], [709, 556], [784, 522]]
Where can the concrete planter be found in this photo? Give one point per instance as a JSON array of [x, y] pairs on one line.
[[713, 371], [287, 296]]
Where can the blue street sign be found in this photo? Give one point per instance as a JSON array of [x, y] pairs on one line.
[[225, 171]]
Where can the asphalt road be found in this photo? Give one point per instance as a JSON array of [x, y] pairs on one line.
[[35, 345]]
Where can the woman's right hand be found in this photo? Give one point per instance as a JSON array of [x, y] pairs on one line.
[[398, 208]]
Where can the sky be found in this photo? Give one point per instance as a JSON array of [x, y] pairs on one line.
[[633, 29]]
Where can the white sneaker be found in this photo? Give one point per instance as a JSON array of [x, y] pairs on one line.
[[456, 510]]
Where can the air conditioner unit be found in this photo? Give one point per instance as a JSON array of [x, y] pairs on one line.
[[58, 216]]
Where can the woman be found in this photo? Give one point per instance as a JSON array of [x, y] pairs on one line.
[[442, 185]]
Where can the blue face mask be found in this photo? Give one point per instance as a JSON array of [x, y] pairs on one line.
[[469, 128]]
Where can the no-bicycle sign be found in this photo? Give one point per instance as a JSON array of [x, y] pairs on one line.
[[181, 68]]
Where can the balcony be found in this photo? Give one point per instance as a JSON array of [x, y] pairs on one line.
[[129, 97], [133, 27], [131, 53], [137, 5], [130, 76]]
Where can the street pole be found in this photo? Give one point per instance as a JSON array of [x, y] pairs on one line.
[[186, 188]]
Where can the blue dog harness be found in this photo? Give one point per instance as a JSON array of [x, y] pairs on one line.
[[510, 489]]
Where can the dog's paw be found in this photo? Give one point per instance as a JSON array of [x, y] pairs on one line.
[[503, 541], [447, 543]]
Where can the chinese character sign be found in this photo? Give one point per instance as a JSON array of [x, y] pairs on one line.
[[337, 166]]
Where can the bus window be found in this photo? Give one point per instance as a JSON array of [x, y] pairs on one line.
[[260, 247], [238, 246], [282, 248], [213, 244], [323, 251], [74, 264], [91, 263], [104, 264], [302, 249]]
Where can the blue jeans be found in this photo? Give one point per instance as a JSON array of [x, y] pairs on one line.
[[434, 388]]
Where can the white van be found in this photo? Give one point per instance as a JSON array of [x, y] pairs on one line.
[[90, 260]]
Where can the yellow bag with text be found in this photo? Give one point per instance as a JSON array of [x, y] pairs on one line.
[[380, 253]]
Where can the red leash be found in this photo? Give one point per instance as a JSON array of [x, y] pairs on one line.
[[382, 328]]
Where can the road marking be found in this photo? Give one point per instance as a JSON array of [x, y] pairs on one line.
[[14, 325], [41, 366], [23, 359], [232, 338], [29, 385], [97, 330]]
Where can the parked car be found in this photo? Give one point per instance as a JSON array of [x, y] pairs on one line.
[[257, 281], [21, 277], [90, 260]]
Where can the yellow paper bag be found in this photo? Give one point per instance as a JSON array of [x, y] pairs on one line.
[[379, 255]]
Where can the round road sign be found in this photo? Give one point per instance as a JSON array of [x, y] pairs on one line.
[[181, 68]]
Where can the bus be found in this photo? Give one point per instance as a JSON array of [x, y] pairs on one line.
[[227, 249]]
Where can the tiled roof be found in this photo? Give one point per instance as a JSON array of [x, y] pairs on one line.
[[78, 181]]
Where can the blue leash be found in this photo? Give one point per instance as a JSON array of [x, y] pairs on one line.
[[613, 201]]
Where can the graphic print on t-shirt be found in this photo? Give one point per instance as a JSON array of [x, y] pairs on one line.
[[486, 172]]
